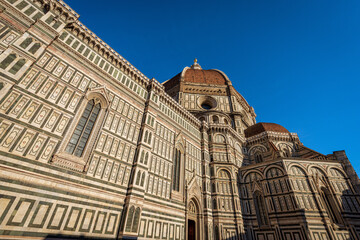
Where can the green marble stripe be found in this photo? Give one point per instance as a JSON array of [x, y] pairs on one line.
[[13, 214], [8, 77], [36, 112], [47, 61], [180, 220], [50, 235], [5, 27], [152, 230], [57, 122], [6, 132], [17, 139], [30, 126], [114, 226], [232, 225], [112, 158], [32, 80], [50, 189], [24, 108], [68, 200], [52, 89], [42, 84], [96, 222], [61, 94], [30, 144], [43, 99], [5, 97], [11, 201], [65, 171], [13, 104], [167, 200], [81, 229], [6, 32], [70, 98], [58, 206], [104, 168], [40, 225], [67, 228], [42, 148]]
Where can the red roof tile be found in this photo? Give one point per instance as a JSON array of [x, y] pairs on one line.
[[263, 127], [204, 76]]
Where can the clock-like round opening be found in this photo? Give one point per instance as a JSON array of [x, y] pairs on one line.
[[206, 106], [207, 102]]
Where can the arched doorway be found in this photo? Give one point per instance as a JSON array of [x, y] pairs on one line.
[[193, 221]]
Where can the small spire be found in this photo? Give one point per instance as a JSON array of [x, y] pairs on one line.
[[196, 65]]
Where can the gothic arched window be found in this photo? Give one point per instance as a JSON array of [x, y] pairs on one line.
[[214, 204], [176, 167], [138, 178], [217, 234], [130, 219], [34, 48], [77, 144], [146, 158], [215, 119], [149, 140], [260, 208], [142, 157], [18, 65], [258, 158], [146, 136], [136, 220], [7, 61], [330, 205], [83, 129], [142, 179], [26, 43]]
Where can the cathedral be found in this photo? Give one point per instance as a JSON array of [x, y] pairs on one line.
[[90, 148]]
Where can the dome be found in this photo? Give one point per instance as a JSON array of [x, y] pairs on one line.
[[195, 74], [204, 76], [264, 127]]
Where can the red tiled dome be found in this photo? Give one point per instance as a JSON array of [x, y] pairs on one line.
[[263, 127], [195, 74], [204, 76]]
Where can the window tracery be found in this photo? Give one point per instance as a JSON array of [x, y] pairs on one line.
[[330, 205], [176, 167], [83, 129], [260, 208], [75, 149]]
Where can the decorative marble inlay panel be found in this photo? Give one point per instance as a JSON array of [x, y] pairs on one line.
[[59, 69], [11, 137], [9, 101], [44, 59], [50, 66], [69, 72], [28, 78]]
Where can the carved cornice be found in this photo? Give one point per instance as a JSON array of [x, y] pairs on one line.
[[59, 7], [276, 136], [226, 129]]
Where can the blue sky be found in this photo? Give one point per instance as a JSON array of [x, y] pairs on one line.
[[296, 62]]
